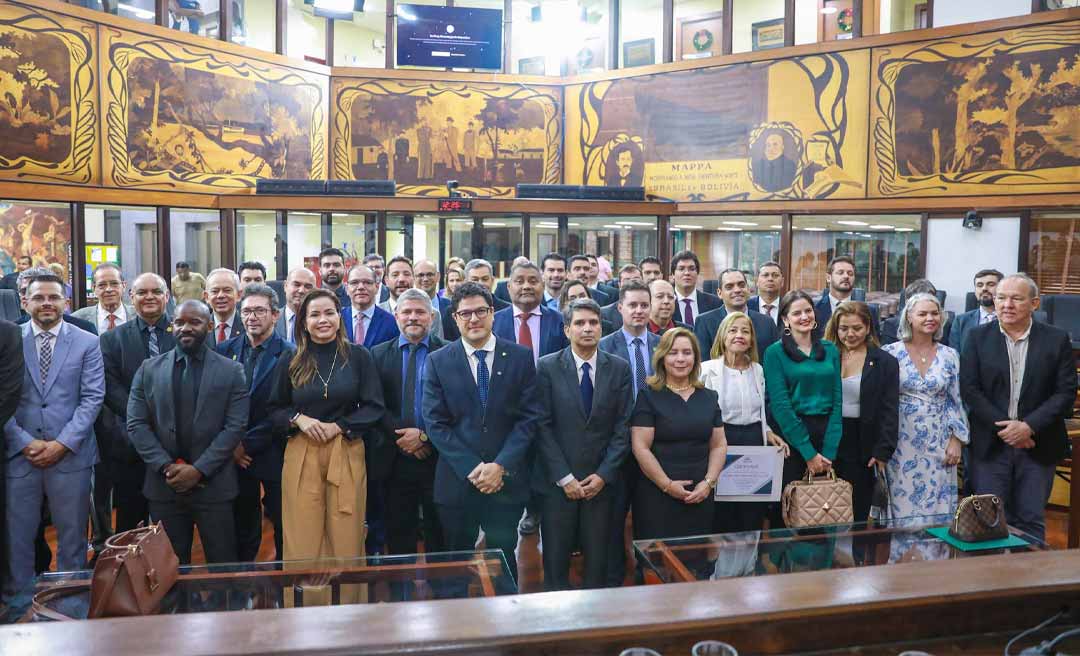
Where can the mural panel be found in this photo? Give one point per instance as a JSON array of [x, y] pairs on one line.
[[38, 231], [48, 101], [787, 129], [488, 137], [186, 118], [987, 114]]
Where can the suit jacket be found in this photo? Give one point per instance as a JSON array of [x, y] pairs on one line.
[[381, 328], [602, 296], [707, 324], [1047, 392], [615, 344], [64, 407], [552, 336], [264, 443], [960, 327], [235, 330], [705, 303], [89, 314], [502, 291], [221, 420], [823, 312], [610, 313], [88, 326], [384, 295], [11, 369], [465, 435], [754, 303], [879, 399], [569, 441]]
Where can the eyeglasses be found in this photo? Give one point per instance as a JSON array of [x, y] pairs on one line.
[[258, 312], [467, 315], [108, 284]]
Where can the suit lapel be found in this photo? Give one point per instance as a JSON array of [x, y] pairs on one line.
[[1033, 339], [204, 382], [600, 378], [569, 371], [31, 358], [396, 362], [164, 382], [60, 354], [465, 373], [266, 365], [498, 367]]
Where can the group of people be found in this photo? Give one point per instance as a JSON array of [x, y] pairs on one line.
[[384, 400]]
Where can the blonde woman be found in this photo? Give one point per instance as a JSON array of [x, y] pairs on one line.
[[739, 382], [677, 437]]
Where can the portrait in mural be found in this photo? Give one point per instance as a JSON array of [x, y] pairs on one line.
[[185, 118], [488, 137], [40, 232], [986, 114], [48, 106], [787, 129]]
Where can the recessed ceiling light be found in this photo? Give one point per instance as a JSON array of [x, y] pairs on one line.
[[852, 223], [905, 229], [882, 226], [829, 10], [816, 229], [777, 227], [495, 224], [636, 223], [741, 223], [688, 227]]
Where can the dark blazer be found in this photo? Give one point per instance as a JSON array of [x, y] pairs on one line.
[[823, 312], [221, 419], [552, 336], [11, 370], [388, 362], [568, 440], [382, 327], [262, 442], [236, 329], [342, 294], [384, 295], [754, 303], [1047, 392], [705, 328], [615, 344], [960, 327], [705, 303], [879, 400], [502, 291], [123, 351], [610, 313], [88, 326], [601, 296], [464, 435], [450, 330]]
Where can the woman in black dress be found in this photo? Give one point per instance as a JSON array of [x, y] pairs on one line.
[[678, 440]]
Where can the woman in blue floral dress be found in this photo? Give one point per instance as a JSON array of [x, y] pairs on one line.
[[933, 426]]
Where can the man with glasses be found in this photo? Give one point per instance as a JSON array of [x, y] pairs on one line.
[[426, 275], [112, 308], [261, 454], [480, 412], [377, 263], [365, 322]]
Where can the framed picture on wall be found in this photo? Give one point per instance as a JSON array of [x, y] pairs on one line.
[[532, 66], [638, 53], [768, 34], [700, 36]]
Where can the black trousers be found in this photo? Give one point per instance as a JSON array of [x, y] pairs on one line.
[[461, 525], [849, 468], [214, 520], [131, 506], [410, 488], [248, 509], [622, 493], [565, 524]]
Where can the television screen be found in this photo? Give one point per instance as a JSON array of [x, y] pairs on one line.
[[449, 37]]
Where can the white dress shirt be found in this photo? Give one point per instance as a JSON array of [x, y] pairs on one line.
[[833, 301], [680, 305], [986, 317], [773, 312], [534, 328], [489, 357], [228, 325], [736, 391], [103, 317], [54, 331]]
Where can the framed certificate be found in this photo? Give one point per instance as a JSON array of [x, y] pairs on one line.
[[751, 473]]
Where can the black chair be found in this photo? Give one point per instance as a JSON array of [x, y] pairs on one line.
[[711, 286], [970, 302], [1065, 314], [10, 308]]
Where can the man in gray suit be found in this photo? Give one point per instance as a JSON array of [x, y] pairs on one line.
[[187, 412], [49, 443], [582, 440], [112, 308], [634, 344]]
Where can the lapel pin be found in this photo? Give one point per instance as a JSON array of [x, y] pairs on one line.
[[504, 354], [498, 373]]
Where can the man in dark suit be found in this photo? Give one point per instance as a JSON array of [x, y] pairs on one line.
[[1018, 381], [332, 273], [690, 302], [481, 272], [261, 454], [365, 322], [410, 479], [734, 291], [11, 380], [23, 283], [10, 281], [298, 283], [426, 275], [662, 315], [250, 273], [553, 268], [527, 321], [610, 313], [583, 437], [770, 282], [222, 293], [480, 412], [187, 413], [581, 270], [986, 282], [651, 268], [502, 289], [635, 344], [376, 263], [611, 291], [841, 280], [124, 349]]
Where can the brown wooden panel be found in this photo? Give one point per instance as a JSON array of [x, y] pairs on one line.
[[104, 195]]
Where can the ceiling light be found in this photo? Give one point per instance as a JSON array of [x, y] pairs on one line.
[[829, 10], [904, 229], [688, 227], [138, 12], [852, 223], [816, 229], [614, 227], [882, 226], [777, 227], [636, 223], [494, 224], [740, 223]]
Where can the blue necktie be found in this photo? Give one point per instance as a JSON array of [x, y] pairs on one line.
[[639, 366], [152, 343], [586, 388], [482, 377]]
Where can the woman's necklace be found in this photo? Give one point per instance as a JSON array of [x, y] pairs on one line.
[[329, 377], [679, 390], [920, 352]]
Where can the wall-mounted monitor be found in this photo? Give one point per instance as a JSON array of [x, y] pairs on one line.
[[449, 37]]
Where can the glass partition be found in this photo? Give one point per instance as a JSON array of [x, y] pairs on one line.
[[543, 236], [361, 41], [500, 242], [195, 238], [126, 235], [727, 242], [305, 33], [699, 29], [757, 25], [1054, 255], [459, 238], [641, 32], [619, 239], [818, 21], [901, 15], [257, 240], [885, 248], [303, 239], [255, 23], [140, 10], [355, 234], [426, 237], [202, 17]]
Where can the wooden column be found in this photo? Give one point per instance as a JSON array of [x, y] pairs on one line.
[[228, 239], [1022, 264], [78, 256], [789, 22], [785, 250], [613, 35], [282, 251], [663, 242], [390, 59], [161, 12], [924, 224], [508, 24], [667, 52], [164, 243], [526, 222], [729, 7], [857, 25], [281, 25], [329, 56], [225, 20]]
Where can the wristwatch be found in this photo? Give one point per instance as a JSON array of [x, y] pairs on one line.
[[423, 436], [292, 420], [711, 482]]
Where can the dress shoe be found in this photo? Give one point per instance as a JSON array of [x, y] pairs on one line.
[[529, 524]]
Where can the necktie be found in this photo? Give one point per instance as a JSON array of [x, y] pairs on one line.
[[586, 388], [688, 313], [45, 356], [767, 309], [185, 410], [990, 317], [112, 321], [252, 362], [221, 332], [408, 392], [482, 377], [152, 343], [358, 330], [525, 333], [639, 366], [290, 330]]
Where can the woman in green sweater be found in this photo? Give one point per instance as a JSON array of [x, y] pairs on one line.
[[802, 377]]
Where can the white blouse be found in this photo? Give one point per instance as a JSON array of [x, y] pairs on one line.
[[851, 387], [740, 394]]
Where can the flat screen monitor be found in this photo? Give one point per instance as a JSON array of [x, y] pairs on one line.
[[449, 37]]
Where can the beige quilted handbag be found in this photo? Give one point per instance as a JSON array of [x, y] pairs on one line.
[[817, 501]]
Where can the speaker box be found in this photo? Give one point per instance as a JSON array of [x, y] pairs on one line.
[[548, 191], [613, 193], [291, 187], [361, 187]]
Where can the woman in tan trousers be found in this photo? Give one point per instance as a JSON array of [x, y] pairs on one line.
[[331, 398]]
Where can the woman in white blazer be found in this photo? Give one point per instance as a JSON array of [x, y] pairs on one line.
[[739, 382]]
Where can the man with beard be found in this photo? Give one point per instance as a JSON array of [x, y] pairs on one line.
[[251, 272], [299, 282], [400, 279], [22, 263], [50, 446], [651, 268], [610, 313], [986, 282], [365, 322], [734, 292], [581, 270], [222, 293], [261, 454], [554, 272], [187, 412], [841, 279], [332, 273]]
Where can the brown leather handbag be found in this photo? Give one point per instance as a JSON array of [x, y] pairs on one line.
[[133, 573], [817, 501], [979, 518]]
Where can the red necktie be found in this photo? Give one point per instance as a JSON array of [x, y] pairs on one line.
[[688, 314], [112, 322], [221, 332], [358, 331], [525, 333]]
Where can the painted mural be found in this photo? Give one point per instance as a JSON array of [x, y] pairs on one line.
[[40, 232], [488, 137], [787, 129], [187, 118], [48, 101], [988, 114]]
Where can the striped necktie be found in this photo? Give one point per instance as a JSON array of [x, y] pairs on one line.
[[152, 343], [45, 356]]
